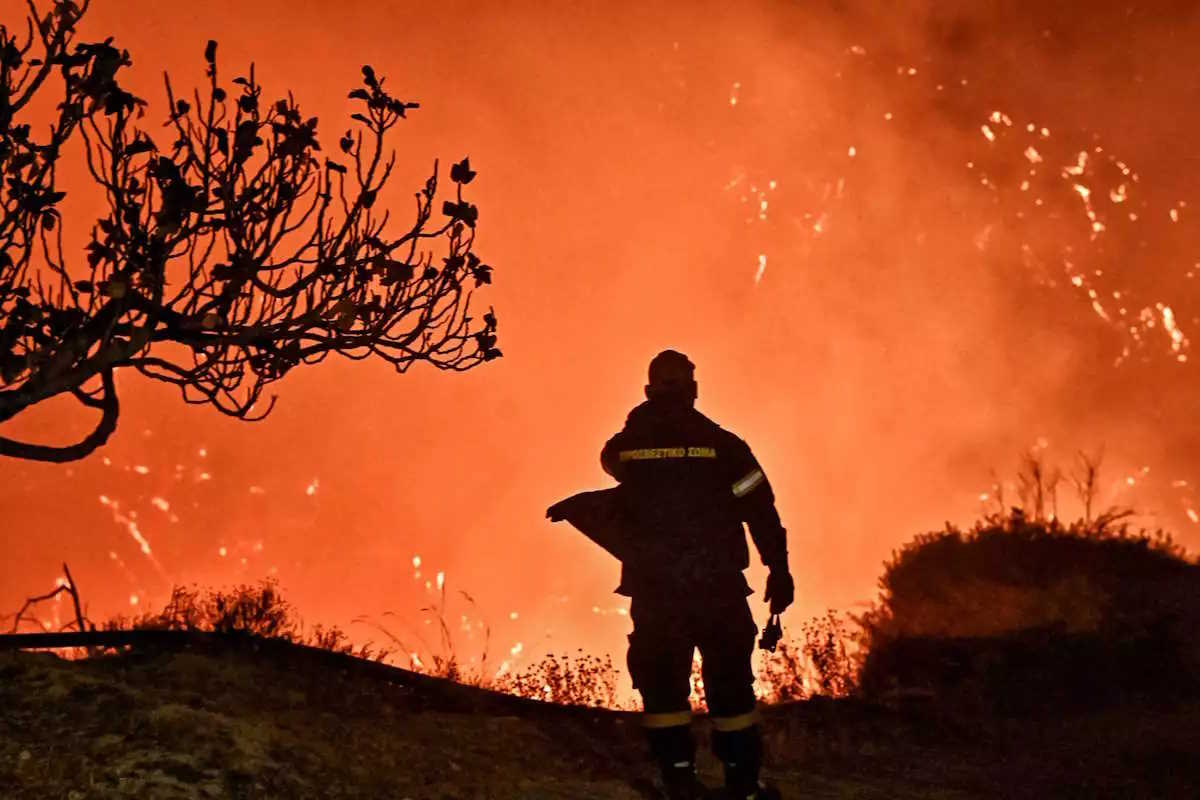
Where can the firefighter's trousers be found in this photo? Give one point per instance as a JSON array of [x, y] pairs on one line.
[[667, 629]]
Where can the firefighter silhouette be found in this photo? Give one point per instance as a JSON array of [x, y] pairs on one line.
[[685, 488]]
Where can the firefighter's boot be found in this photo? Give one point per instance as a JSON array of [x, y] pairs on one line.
[[674, 750], [741, 753]]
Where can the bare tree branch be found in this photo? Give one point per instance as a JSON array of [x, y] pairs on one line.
[[70, 588], [231, 251]]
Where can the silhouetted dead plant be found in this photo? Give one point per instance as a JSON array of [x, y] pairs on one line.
[[582, 680]]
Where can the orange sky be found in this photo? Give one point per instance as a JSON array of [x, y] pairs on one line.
[[914, 327]]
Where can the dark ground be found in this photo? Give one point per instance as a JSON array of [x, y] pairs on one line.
[[240, 723]]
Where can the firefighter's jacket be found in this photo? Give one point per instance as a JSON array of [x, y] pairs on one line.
[[686, 487]]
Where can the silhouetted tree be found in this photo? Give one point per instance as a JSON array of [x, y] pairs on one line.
[[226, 256]]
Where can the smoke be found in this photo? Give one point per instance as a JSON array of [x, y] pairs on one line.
[[802, 197]]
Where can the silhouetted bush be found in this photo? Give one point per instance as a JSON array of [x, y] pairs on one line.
[[580, 681], [1027, 612], [244, 610]]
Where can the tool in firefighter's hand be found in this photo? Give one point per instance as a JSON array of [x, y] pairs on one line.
[[771, 634]]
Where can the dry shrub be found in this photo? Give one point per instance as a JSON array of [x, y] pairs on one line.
[[819, 662], [582, 680], [1018, 605], [244, 610]]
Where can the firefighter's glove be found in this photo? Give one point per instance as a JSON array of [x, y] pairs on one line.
[[781, 590]]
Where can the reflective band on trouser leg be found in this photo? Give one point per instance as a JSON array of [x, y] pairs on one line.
[[670, 719], [738, 723], [747, 484]]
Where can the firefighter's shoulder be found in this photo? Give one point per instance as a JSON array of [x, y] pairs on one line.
[[730, 443]]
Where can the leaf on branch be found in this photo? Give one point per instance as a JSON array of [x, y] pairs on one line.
[[84, 287], [139, 146], [245, 139], [464, 212], [346, 143], [397, 272], [10, 56], [119, 101], [98, 252], [219, 95], [210, 51], [113, 288], [360, 94], [462, 172], [398, 107], [369, 77], [334, 166]]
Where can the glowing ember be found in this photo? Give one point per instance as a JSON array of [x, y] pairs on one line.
[[762, 267]]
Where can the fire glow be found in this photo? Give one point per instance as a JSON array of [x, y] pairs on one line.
[[878, 318]]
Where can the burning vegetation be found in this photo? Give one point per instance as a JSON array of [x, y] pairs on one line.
[[1022, 641]]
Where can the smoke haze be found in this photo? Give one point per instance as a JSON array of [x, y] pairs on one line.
[[831, 207]]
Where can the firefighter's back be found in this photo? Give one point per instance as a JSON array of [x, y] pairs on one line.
[[676, 466]]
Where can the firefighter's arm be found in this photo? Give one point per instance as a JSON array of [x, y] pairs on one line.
[[756, 506], [755, 502]]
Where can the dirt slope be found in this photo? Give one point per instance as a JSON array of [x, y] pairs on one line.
[[241, 723]]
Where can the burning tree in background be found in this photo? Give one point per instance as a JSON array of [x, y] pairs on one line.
[[226, 258]]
